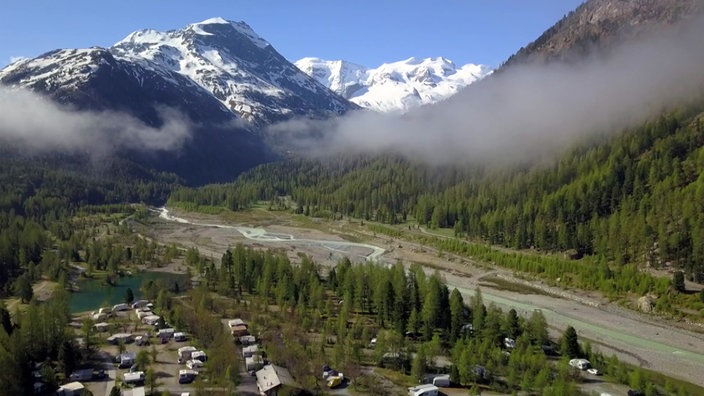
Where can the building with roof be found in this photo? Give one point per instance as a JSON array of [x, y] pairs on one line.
[[272, 379]]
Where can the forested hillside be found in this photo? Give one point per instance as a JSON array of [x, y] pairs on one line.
[[636, 198], [38, 197]]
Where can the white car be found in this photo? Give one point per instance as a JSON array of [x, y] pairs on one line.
[[593, 371]]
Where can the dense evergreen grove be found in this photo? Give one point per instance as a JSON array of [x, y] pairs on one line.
[[635, 198], [309, 315], [407, 311], [39, 334]]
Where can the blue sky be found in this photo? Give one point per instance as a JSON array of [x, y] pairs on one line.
[[361, 31]]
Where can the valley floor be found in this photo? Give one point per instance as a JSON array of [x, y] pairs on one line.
[[635, 338]]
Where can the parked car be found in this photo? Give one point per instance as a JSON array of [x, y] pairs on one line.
[[593, 371]]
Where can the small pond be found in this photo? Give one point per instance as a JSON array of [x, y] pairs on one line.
[[93, 293]]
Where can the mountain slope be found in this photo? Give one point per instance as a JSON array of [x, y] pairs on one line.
[[599, 24], [398, 86], [238, 67]]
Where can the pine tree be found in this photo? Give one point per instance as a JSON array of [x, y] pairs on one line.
[[570, 343], [129, 295], [23, 288], [678, 281], [456, 314]]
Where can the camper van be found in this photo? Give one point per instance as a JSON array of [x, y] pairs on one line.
[[150, 319], [194, 364], [186, 376], [184, 353], [199, 355], [126, 359], [250, 350], [134, 377], [180, 336], [168, 333], [581, 364]]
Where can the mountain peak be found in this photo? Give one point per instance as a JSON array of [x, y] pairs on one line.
[[241, 69], [215, 20], [209, 29], [395, 86], [214, 27]]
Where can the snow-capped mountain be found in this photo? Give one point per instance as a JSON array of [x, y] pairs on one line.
[[228, 81], [225, 60], [397, 86], [238, 67]]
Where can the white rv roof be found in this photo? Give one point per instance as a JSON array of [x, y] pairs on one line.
[[137, 375]]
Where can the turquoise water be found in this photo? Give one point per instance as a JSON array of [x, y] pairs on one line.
[[93, 294]]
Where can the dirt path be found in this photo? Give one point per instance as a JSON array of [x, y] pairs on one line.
[[633, 337]]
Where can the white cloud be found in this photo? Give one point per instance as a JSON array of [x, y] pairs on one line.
[[39, 124]]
